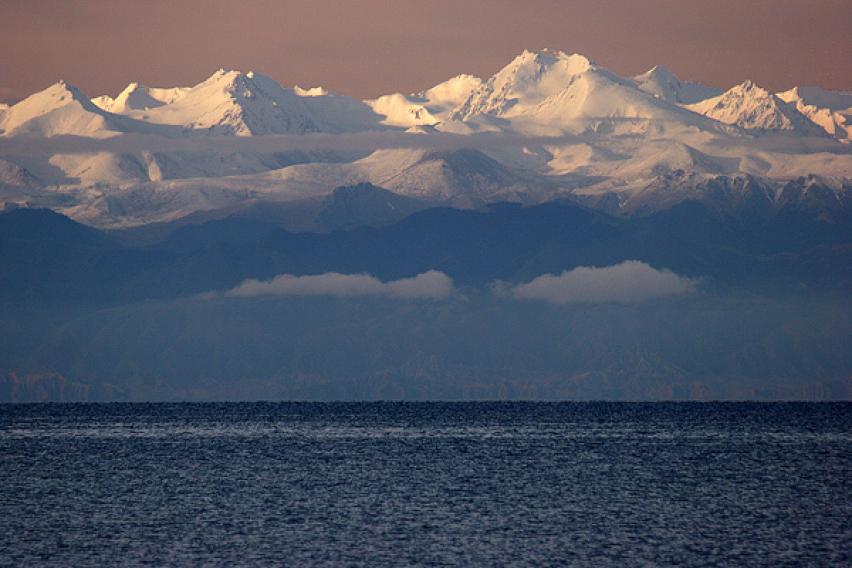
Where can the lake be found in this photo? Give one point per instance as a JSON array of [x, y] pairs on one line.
[[389, 484]]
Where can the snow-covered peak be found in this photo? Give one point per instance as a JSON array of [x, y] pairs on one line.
[[425, 108], [310, 92], [657, 73], [664, 84], [250, 86], [231, 102], [550, 93], [403, 110], [58, 109], [139, 97], [234, 103], [752, 107], [830, 110], [527, 80], [750, 86], [533, 61], [819, 97], [233, 83], [230, 80], [222, 72], [446, 96], [57, 95]]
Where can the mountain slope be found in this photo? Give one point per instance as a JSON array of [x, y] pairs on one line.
[[233, 103], [464, 177], [59, 109], [756, 249], [427, 107], [549, 93], [772, 303], [830, 110], [548, 125], [139, 97], [250, 104], [664, 84], [754, 108], [364, 205], [526, 81]]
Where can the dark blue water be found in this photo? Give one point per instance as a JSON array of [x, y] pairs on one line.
[[398, 484]]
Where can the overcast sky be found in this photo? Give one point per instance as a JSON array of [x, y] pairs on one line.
[[369, 47]]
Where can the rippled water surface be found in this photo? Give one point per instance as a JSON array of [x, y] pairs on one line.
[[433, 483]]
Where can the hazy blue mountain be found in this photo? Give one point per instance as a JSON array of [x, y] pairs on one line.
[[49, 257], [700, 347], [92, 315]]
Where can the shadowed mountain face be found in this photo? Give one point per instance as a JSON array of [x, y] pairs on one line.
[[89, 315], [364, 205], [347, 207], [50, 258]]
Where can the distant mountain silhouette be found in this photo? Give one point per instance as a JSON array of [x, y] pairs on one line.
[[51, 258]]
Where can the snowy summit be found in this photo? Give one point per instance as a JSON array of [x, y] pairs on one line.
[[547, 125]]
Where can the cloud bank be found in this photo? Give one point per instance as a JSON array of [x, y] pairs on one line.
[[430, 285], [369, 141], [629, 282]]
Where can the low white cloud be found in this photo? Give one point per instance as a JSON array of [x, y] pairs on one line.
[[629, 282], [343, 142], [429, 285]]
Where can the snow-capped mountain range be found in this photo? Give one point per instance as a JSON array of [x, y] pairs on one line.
[[547, 125]]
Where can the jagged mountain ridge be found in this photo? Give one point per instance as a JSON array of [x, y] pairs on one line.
[[550, 93], [250, 104], [236, 103], [754, 247], [548, 125], [751, 107], [830, 110]]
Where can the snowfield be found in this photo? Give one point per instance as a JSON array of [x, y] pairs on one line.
[[548, 125]]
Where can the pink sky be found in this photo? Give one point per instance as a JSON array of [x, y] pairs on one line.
[[369, 47]]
